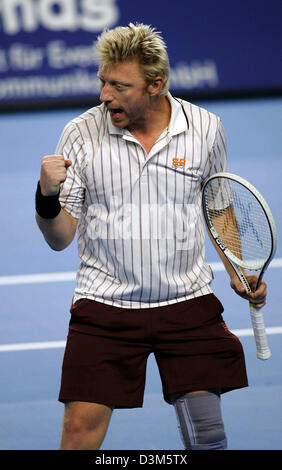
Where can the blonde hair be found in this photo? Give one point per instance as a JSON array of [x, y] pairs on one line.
[[135, 40]]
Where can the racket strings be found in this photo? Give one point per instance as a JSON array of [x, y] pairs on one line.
[[239, 220]]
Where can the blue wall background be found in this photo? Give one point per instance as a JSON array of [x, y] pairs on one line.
[[46, 46]]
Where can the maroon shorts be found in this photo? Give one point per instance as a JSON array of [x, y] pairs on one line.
[[107, 350]]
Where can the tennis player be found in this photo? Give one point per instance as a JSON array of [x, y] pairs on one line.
[[127, 177]]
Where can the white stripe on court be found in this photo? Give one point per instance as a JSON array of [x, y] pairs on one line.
[[42, 278], [37, 278], [273, 330], [32, 346]]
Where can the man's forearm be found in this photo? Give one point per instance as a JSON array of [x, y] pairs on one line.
[[226, 226], [228, 266], [59, 231]]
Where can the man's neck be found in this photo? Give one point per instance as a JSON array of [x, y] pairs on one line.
[[155, 120]]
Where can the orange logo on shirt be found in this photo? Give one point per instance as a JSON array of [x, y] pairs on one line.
[[178, 162]]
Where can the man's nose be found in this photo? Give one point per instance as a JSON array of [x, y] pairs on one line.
[[106, 93]]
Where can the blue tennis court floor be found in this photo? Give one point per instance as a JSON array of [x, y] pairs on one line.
[[36, 287]]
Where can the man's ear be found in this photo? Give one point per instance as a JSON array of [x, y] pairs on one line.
[[156, 85]]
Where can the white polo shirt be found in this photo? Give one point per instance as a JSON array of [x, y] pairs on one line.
[[140, 234]]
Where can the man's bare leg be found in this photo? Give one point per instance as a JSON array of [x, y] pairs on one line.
[[84, 425]]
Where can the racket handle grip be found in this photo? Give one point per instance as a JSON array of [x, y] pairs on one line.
[[263, 350]]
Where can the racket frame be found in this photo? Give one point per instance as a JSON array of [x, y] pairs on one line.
[[272, 228], [263, 351]]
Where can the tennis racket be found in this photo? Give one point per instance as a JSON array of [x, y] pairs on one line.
[[239, 220]]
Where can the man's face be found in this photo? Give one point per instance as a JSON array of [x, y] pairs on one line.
[[124, 92]]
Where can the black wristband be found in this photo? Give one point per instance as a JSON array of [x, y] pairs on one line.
[[47, 207]]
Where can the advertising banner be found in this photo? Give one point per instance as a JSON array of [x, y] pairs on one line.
[[46, 46]]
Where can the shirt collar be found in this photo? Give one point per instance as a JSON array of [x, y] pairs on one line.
[[178, 119]]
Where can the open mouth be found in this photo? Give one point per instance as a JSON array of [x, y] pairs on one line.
[[116, 113]]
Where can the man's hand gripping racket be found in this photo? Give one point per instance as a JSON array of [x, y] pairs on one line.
[[240, 222]]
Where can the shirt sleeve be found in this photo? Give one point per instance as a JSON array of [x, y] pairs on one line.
[[72, 190], [217, 154]]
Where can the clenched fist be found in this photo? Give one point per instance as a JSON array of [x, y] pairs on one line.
[[53, 173]]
